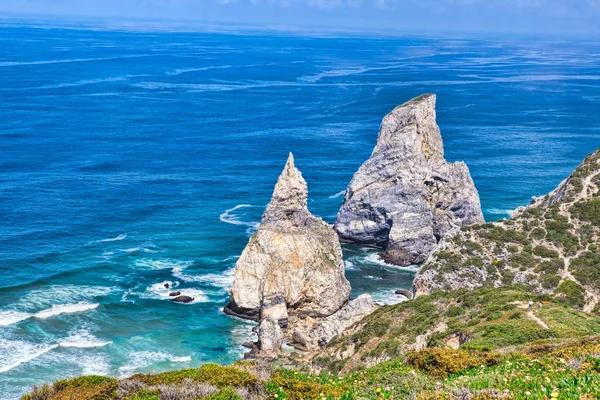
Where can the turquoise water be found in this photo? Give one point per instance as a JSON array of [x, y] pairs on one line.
[[132, 159]]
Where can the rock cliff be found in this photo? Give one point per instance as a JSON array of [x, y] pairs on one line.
[[550, 246], [291, 273], [405, 198], [293, 254]]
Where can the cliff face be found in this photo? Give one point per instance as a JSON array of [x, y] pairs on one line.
[[406, 197], [293, 254], [290, 276], [550, 246]]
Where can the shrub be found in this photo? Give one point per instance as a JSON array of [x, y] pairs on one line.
[[443, 362], [187, 390], [224, 394], [44, 392], [544, 252], [538, 233], [472, 247], [558, 232], [549, 281], [299, 386], [523, 259], [82, 381], [104, 391], [587, 211], [550, 266], [213, 374], [586, 268], [574, 293]]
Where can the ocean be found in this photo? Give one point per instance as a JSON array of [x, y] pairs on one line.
[[130, 159]]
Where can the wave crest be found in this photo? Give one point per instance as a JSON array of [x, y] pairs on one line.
[[229, 217]]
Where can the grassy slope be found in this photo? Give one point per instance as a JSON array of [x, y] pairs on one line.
[[491, 317], [551, 247]]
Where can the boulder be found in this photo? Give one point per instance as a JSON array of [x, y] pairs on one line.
[[456, 339], [406, 197], [176, 293], [182, 299], [317, 333], [270, 338]]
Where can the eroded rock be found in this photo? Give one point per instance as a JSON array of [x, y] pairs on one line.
[[292, 267], [406, 196], [314, 334]]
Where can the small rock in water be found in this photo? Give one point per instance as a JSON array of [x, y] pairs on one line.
[[166, 284], [173, 294], [182, 299]]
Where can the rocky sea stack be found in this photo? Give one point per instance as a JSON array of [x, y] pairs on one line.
[[406, 197], [291, 272]]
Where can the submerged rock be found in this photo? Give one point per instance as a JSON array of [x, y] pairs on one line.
[[293, 254], [406, 197]]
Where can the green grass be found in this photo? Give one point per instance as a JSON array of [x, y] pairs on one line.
[[542, 371], [494, 318]]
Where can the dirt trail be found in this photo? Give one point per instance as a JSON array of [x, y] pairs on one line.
[[531, 315], [535, 319]]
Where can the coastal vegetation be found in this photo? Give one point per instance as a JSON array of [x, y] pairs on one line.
[[550, 246], [540, 371], [507, 351]]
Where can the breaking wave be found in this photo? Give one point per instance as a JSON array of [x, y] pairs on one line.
[[230, 217], [82, 339], [15, 353]]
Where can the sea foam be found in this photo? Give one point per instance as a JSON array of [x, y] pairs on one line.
[[143, 359], [115, 239], [65, 309], [230, 217], [51, 301], [15, 353], [12, 317], [82, 339], [338, 194]]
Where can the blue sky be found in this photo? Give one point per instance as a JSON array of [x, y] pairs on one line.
[[556, 17]]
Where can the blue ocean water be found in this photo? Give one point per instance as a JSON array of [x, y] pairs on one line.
[[131, 159]]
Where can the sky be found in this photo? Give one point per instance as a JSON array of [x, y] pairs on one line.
[[550, 17]]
